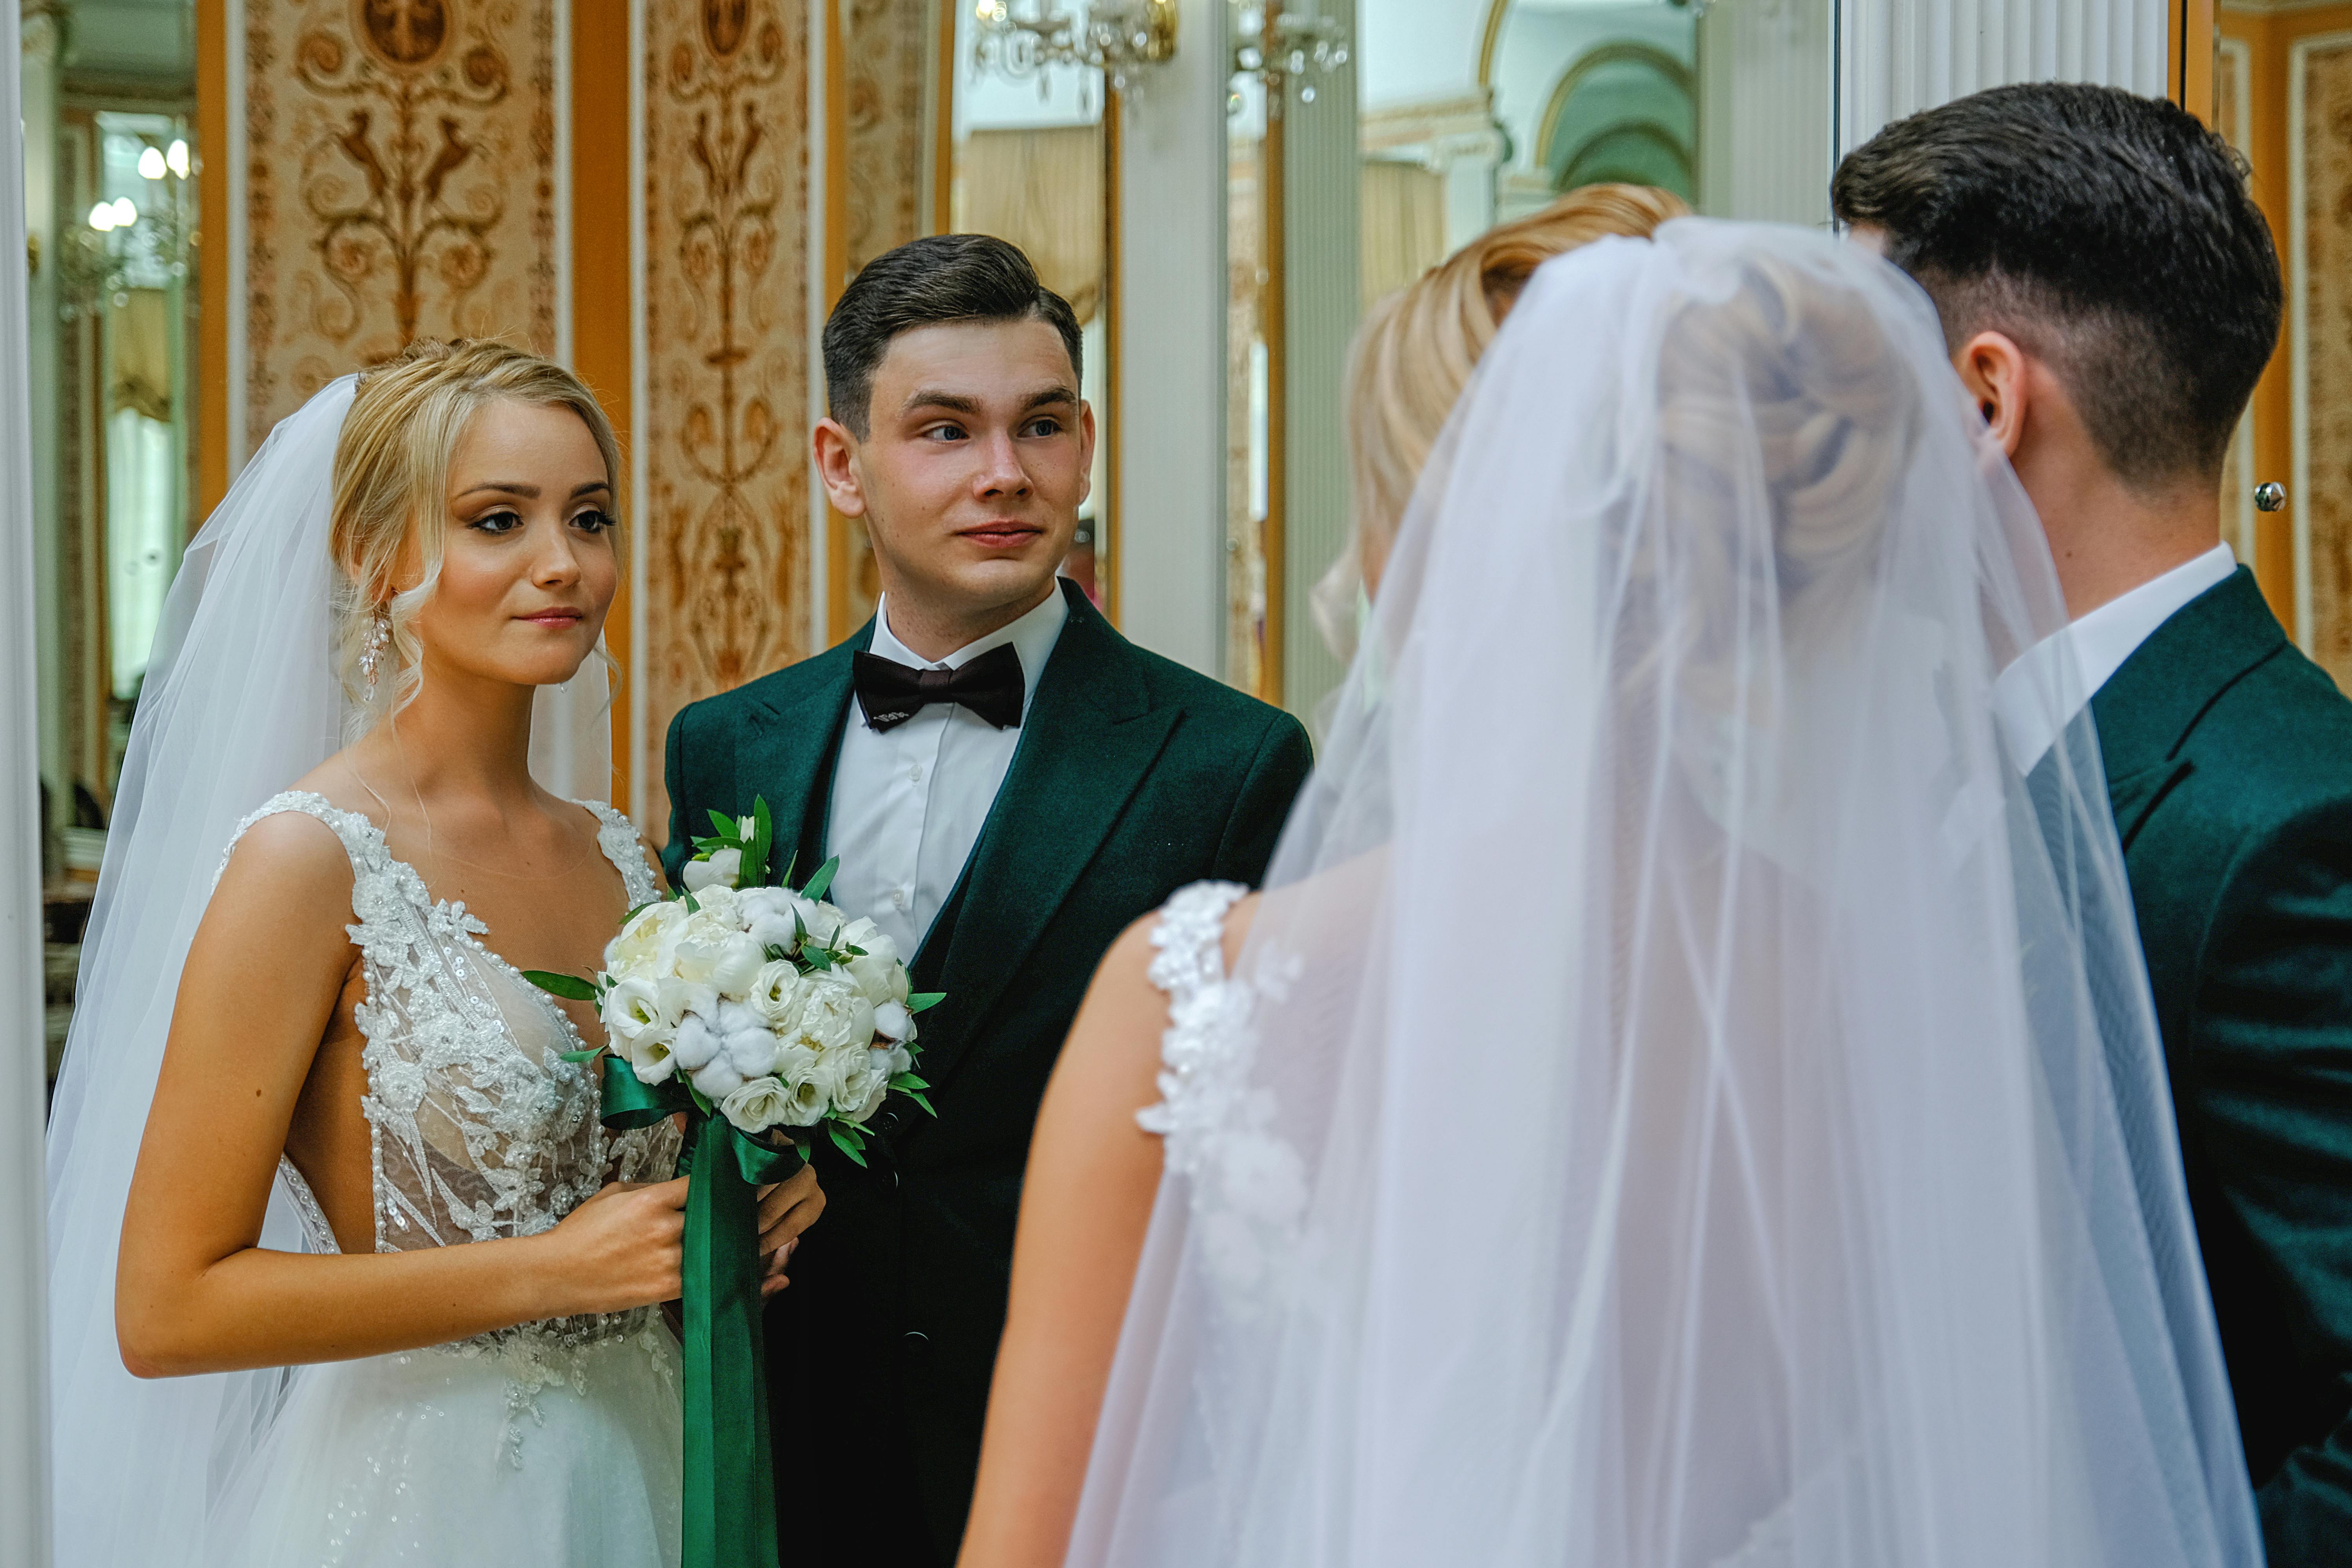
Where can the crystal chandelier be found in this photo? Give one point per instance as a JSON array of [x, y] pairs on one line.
[[1022, 38], [1280, 47]]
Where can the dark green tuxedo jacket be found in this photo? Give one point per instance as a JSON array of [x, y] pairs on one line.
[[1133, 777], [2229, 758]]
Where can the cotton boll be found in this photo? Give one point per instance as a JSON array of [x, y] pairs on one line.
[[752, 1051], [697, 1043], [775, 931], [718, 1079], [893, 1022], [734, 1017]]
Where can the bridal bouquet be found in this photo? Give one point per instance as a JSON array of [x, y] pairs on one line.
[[764, 1014], [776, 1009]]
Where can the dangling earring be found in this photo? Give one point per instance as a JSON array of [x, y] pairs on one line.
[[379, 633]]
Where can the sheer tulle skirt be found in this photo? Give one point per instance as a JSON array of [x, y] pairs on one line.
[[524, 1457]]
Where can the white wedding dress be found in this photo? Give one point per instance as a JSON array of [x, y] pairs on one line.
[[554, 1444]]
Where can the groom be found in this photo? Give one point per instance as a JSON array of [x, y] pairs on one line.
[[1008, 782], [2111, 294]]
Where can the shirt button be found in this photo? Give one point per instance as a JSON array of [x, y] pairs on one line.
[[915, 775], [899, 898]]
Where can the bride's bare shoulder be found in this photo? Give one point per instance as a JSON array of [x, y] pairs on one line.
[[291, 857], [1123, 997]]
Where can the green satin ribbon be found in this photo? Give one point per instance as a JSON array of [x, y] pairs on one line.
[[730, 1518]]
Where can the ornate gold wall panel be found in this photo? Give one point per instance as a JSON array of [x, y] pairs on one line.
[[2321, 273], [400, 182], [887, 61], [723, 433]]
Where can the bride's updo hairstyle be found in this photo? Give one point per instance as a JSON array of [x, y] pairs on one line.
[[1417, 348], [392, 494]]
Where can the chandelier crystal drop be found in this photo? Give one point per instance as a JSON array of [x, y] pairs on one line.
[[1022, 39]]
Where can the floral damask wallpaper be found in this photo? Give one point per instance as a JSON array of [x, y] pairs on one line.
[[887, 66], [400, 182], [724, 430], [2327, 280]]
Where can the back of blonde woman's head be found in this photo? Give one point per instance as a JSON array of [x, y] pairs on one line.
[[392, 485], [1417, 349]]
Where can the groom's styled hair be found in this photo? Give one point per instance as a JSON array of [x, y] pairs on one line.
[[925, 283], [2111, 236]]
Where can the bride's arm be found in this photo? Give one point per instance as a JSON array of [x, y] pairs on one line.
[[1086, 1204], [194, 1292]]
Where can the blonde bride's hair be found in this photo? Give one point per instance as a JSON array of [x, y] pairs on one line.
[[1417, 348], [392, 485]]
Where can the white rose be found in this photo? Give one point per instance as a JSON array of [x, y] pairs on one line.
[[729, 963], [653, 1057], [824, 923], [861, 1094], [761, 1103], [723, 906], [834, 1013], [717, 1079], [754, 902], [696, 1043], [635, 1008], [878, 973], [719, 872], [775, 993], [893, 1022], [801, 1070], [645, 945]]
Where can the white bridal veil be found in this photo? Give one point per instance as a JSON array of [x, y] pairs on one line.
[[240, 700], [1694, 1098]]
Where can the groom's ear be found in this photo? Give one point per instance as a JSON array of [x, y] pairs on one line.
[[1994, 370], [836, 451]]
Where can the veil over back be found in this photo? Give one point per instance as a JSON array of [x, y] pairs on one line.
[[1690, 1095]]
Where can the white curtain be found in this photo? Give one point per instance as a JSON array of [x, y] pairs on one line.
[[24, 1382]]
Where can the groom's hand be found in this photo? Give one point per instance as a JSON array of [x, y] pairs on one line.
[[786, 1210]]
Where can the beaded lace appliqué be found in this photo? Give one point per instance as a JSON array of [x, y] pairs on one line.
[[1248, 1185], [477, 1129]]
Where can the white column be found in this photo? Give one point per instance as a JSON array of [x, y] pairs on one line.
[[1764, 119], [1170, 400], [1321, 195], [1898, 57], [45, 222], [24, 1365]]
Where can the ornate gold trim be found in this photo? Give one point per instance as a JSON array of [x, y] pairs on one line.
[[1492, 38]]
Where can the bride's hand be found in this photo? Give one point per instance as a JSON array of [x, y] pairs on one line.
[[786, 1209], [623, 1247]]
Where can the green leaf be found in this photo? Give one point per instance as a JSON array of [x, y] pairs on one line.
[[822, 883], [852, 952], [922, 1000], [842, 1141], [763, 847], [581, 1055], [908, 1080], [774, 953], [724, 824], [816, 957], [919, 1100], [691, 906], [641, 909], [569, 986]]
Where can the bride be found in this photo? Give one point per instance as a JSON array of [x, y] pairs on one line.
[[1688, 1095], [386, 1290]]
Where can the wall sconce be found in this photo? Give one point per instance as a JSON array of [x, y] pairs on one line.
[[1020, 39]]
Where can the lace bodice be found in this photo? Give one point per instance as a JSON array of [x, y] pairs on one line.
[[477, 1128], [1247, 1183]]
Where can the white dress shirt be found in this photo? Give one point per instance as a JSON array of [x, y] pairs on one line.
[[908, 801], [2039, 695]]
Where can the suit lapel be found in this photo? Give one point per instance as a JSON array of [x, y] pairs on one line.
[[2135, 795], [789, 759], [1089, 741], [2146, 709]]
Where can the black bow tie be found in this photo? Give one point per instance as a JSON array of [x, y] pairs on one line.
[[891, 693]]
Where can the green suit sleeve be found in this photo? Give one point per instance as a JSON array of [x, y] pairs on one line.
[[1280, 767], [681, 840], [2271, 1075]]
